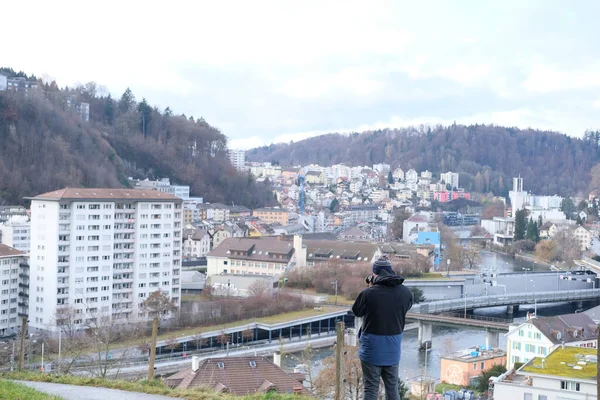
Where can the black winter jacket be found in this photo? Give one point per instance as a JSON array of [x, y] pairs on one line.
[[383, 306]]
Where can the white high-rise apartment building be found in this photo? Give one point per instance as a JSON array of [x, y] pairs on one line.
[[14, 292], [102, 252], [450, 178], [237, 159]]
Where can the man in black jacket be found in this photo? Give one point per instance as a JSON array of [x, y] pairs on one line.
[[383, 307]]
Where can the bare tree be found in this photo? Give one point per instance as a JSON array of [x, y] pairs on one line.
[[469, 256], [260, 287], [172, 344], [248, 334], [223, 338], [159, 305], [353, 382], [200, 340]]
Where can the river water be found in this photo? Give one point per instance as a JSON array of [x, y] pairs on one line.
[[445, 339]]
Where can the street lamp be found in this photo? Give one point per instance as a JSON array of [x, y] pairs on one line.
[[448, 268]]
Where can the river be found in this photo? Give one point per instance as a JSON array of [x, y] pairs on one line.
[[446, 340]]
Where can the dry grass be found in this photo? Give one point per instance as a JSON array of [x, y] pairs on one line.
[[15, 391], [143, 386]]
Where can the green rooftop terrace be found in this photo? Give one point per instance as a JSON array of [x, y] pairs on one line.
[[569, 362]]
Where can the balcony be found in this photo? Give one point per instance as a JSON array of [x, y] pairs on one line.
[[23, 315], [24, 285], [24, 276], [24, 265], [23, 294]]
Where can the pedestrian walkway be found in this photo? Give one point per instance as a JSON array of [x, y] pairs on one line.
[[72, 392]]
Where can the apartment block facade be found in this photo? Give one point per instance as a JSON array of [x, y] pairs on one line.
[[102, 252], [14, 289]]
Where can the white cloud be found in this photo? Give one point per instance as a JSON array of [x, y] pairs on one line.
[[596, 104], [246, 143], [548, 78]]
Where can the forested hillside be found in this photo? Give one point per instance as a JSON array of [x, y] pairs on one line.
[[487, 157], [45, 144]]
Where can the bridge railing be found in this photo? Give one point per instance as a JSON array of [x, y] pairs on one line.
[[505, 299]]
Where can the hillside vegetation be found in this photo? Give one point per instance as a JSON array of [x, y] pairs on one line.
[[46, 145], [487, 157]]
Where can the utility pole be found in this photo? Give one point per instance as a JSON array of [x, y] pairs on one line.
[[339, 364], [153, 349], [336, 290], [59, 348], [22, 349]]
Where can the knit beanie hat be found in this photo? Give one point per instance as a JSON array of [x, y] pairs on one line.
[[382, 264]]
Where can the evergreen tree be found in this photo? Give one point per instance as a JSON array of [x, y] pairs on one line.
[[390, 178], [127, 101], [520, 225], [568, 207], [108, 113], [579, 220], [145, 112], [540, 222], [532, 231]]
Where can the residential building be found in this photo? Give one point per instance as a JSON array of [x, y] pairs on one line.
[[6, 212], [315, 178], [411, 176], [102, 252], [218, 236], [398, 174], [538, 337], [378, 195], [382, 169], [20, 84], [407, 252], [464, 367], [430, 237], [583, 236], [518, 197], [360, 213], [196, 243], [238, 376], [271, 215], [16, 232], [256, 255], [164, 186], [237, 159], [3, 82], [323, 251], [446, 196], [450, 178], [412, 225], [354, 233], [503, 229], [567, 374], [14, 289], [239, 212]]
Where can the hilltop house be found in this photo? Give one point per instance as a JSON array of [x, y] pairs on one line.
[[538, 337]]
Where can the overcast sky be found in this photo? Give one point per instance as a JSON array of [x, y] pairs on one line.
[[272, 71]]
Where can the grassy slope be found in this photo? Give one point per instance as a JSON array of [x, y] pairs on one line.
[[143, 386], [15, 391]]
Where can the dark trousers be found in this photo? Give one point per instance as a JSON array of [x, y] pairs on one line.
[[371, 377]]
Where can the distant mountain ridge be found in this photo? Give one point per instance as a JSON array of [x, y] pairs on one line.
[[52, 138], [486, 156]]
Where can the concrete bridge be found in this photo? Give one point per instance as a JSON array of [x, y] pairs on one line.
[[510, 300], [493, 326]]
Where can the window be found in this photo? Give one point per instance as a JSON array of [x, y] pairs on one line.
[[569, 385], [527, 396], [542, 397], [474, 366]]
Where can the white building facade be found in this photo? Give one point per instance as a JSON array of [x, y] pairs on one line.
[[450, 178], [16, 232], [102, 252], [14, 292], [237, 159]]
